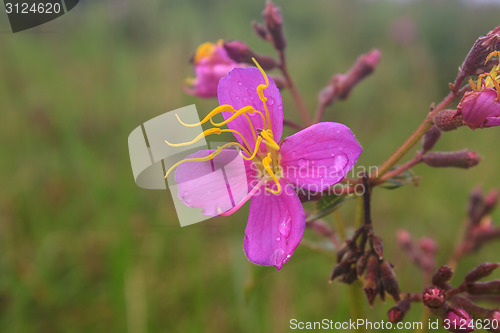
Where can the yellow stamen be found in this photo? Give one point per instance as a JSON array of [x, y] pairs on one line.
[[266, 162], [243, 110], [208, 132], [473, 85], [255, 150], [213, 113], [268, 136], [260, 92], [202, 159], [492, 54]]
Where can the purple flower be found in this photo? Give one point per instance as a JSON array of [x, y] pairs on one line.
[[480, 108], [211, 63], [458, 320], [312, 159]]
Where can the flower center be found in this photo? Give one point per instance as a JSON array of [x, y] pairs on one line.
[[264, 153]]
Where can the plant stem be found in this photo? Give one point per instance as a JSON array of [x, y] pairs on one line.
[[393, 173], [356, 302], [416, 136], [304, 113], [339, 222], [292, 124]]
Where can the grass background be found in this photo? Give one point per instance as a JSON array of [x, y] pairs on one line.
[[82, 249]]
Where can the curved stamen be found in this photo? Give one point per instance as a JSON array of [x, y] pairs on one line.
[[255, 151], [245, 199], [260, 92], [243, 110], [266, 162], [269, 139], [203, 159], [213, 113], [208, 132]]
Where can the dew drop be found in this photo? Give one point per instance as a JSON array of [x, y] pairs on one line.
[[278, 239], [285, 227], [277, 257], [240, 83], [340, 160], [270, 101], [302, 162]]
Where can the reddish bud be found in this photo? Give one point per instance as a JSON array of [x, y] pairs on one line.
[[494, 318], [403, 237], [448, 120], [484, 288], [490, 201], [433, 297], [274, 23], [464, 159], [372, 278], [398, 312], [361, 264], [431, 137], [427, 245], [389, 280], [377, 245], [484, 45], [260, 30], [443, 275], [480, 272], [459, 321]]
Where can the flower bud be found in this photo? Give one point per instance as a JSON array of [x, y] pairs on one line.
[[398, 312], [433, 297], [339, 269], [494, 318], [404, 238], [361, 264], [371, 286], [280, 81], [427, 245], [480, 272], [260, 30], [459, 321], [240, 52], [377, 245], [490, 201], [364, 66], [474, 62], [464, 159], [389, 280], [484, 288], [431, 137], [274, 23], [448, 120], [444, 274]]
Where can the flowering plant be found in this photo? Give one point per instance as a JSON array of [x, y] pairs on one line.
[[251, 105]]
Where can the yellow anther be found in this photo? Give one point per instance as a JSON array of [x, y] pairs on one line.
[[208, 132], [260, 92], [266, 162], [492, 54], [205, 50], [473, 85], [269, 139]]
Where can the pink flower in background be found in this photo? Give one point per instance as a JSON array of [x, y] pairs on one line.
[[211, 63], [312, 159], [480, 108], [457, 320]]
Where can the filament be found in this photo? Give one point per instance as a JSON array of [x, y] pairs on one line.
[[266, 162]]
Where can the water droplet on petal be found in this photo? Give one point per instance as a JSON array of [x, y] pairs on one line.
[[277, 257], [270, 101], [285, 227], [340, 161], [278, 239], [240, 83], [302, 162]]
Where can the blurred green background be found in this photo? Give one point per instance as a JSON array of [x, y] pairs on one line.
[[82, 249]]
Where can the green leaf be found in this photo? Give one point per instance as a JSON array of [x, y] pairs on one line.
[[328, 204]]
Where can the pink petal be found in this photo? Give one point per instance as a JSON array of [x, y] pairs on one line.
[[212, 185], [275, 226], [238, 89], [319, 156]]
